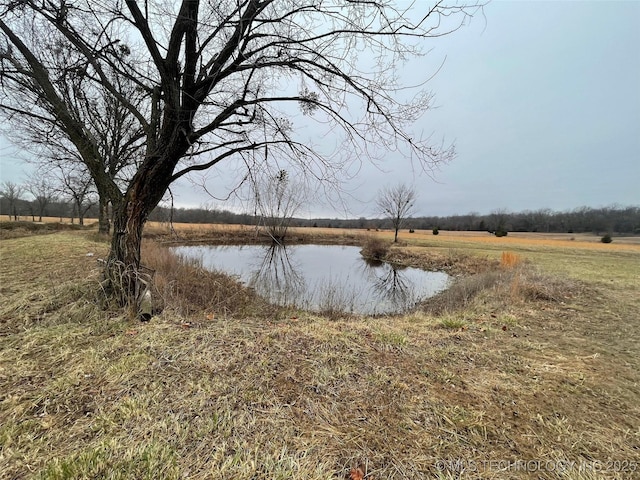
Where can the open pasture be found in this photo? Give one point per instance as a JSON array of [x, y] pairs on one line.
[[533, 373]]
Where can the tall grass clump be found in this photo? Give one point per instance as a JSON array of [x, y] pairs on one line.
[[510, 259], [531, 285], [462, 292], [185, 287], [333, 301]]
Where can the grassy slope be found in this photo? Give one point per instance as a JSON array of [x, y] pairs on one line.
[[85, 393]]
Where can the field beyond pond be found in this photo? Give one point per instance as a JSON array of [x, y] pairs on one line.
[[529, 367]]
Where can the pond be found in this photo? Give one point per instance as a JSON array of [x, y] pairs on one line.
[[321, 277]]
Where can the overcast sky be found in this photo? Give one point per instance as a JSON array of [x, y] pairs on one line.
[[542, 100]]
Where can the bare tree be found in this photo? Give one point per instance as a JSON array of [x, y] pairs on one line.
[[43, 190], [78, 185], [397, 203], [277, 199], [218, 80], [100, 130], [12, 192]]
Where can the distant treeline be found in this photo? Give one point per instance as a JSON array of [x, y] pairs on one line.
[[581, 220], [29, 210], [614, 219]]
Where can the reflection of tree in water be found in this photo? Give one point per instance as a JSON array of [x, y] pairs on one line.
[[391, 285], [277, 277]]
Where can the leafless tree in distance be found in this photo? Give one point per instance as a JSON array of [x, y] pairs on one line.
[[277, 199], [231, 80], [12, 192], [100, 130], [397, 203], [77, 185], [43, 190]]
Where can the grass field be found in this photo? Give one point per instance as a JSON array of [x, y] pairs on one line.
[[529, 371]]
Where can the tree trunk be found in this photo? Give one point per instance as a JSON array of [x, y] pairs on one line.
[[124, 280], [395, 240], [104, 224]]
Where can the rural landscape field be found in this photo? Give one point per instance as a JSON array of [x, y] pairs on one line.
[[319, 240], [528, 367]]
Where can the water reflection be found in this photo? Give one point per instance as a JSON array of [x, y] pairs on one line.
[[322, 277], [276, 277], [392, 285]]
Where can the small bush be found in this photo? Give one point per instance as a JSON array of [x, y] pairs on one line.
[[501, 233], [375, 248], [436, 231], [606, 239], [412, 230]]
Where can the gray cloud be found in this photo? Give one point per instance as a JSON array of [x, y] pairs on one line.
[[542, 100]]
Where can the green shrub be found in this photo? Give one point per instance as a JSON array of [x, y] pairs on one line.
[[501, 233], [606, 238], [436, 231]]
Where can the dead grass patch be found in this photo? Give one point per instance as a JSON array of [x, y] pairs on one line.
[[462, 292], [531, 285], [518, 284], [510, 260], [451, 261], [186, 288], [246, 234], [21, 228]]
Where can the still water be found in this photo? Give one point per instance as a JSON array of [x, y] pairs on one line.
[[321, 277]]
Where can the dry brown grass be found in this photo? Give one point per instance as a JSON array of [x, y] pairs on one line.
[[510, 259], [513, 376], [452, 261], [20, 228], [245, 234], [578, 240], [186, 289], [375, 248]]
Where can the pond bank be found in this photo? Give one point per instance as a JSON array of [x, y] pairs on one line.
[[320, 278]]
